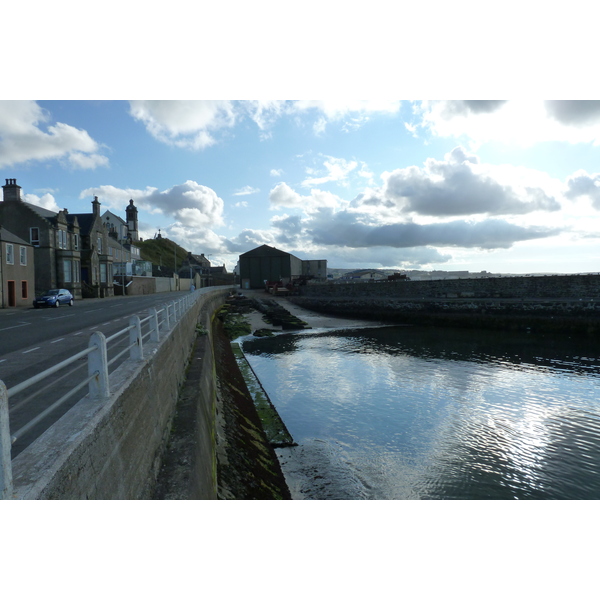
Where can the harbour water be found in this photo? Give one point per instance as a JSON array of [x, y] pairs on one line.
[[397, 412]]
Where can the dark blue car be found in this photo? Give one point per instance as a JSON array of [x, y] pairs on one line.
[[54, 298]]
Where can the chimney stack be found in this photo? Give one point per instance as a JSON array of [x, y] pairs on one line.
[[96, 206], [11, 190]]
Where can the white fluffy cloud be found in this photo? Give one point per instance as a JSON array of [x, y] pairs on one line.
[[46, 201], [460, 185], [190, 204], [283, 196], [184, 123], [26, 134]]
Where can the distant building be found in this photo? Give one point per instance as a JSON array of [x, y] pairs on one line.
[[266, 263], [315, 270], [125, 255], [17, 271]]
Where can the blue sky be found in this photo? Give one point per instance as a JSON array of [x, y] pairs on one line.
[[509, 186], [391, 182]]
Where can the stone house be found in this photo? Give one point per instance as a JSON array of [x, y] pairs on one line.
[[55, 238], [197, 267], [96, 258], [17, 271]]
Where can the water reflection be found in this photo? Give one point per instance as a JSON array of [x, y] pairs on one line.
[[404, 412]]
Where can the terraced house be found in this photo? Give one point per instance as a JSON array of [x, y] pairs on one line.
[[16, 270], [71, 250], [55, 238]]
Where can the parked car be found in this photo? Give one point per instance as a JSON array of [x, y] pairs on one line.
[[54, 298]]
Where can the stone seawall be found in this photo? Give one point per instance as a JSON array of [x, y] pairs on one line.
[[550, 287], [560, 304]]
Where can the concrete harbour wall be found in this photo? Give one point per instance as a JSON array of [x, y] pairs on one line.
[[585, 287], [558, 303], [111, 449]]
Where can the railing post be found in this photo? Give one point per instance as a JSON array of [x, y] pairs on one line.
[[98, 366], [153, 322], [6, 480], [136, 350], [167, 322]]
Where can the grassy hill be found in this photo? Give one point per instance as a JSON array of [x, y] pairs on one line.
[[162, 253]]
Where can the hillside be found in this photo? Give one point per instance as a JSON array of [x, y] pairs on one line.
[[164, 254]]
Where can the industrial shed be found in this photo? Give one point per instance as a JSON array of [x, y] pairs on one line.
[[267, 264]]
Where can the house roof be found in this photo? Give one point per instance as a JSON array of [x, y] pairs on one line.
[[112, 214], [265, 250], [85, 220], [11, 238], [42, 212]]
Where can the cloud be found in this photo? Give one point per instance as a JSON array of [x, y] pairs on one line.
[[337, 170], [520, 122], [248, 239], [460, 185], [466, 107], [580, 184], [352, 113], [246, 190], [276, 172], [46, 201], [283, 196], [574, 112], [344, 229], [184, 123], [382, 257], [23, 138], [196, 124], [191, 204]]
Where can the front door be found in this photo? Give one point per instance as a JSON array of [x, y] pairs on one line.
[[12, 294]]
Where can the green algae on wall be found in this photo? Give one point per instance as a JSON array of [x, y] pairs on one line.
[[274, 427]]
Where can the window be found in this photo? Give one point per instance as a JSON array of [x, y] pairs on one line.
[[23, 255], [99, 245], [24, 290], [102, 272], [61, 239], [67, 271], [75, 241], [34, 236], [10, 256], [76, 271]]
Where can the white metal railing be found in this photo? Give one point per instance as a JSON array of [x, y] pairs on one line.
[[159, 323]]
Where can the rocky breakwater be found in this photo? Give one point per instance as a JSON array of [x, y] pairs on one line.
[[571, 316]]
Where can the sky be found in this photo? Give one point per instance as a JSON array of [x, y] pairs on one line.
[[501, 186], [345, 135]]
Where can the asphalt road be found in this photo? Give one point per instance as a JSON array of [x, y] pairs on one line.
[[32, 340]]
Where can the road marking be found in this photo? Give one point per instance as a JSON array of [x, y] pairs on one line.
[[96, 327], [95, 310], [27, 351], [15, 326], [78, 333], [107, 323], [2, 359], [56, 341]]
